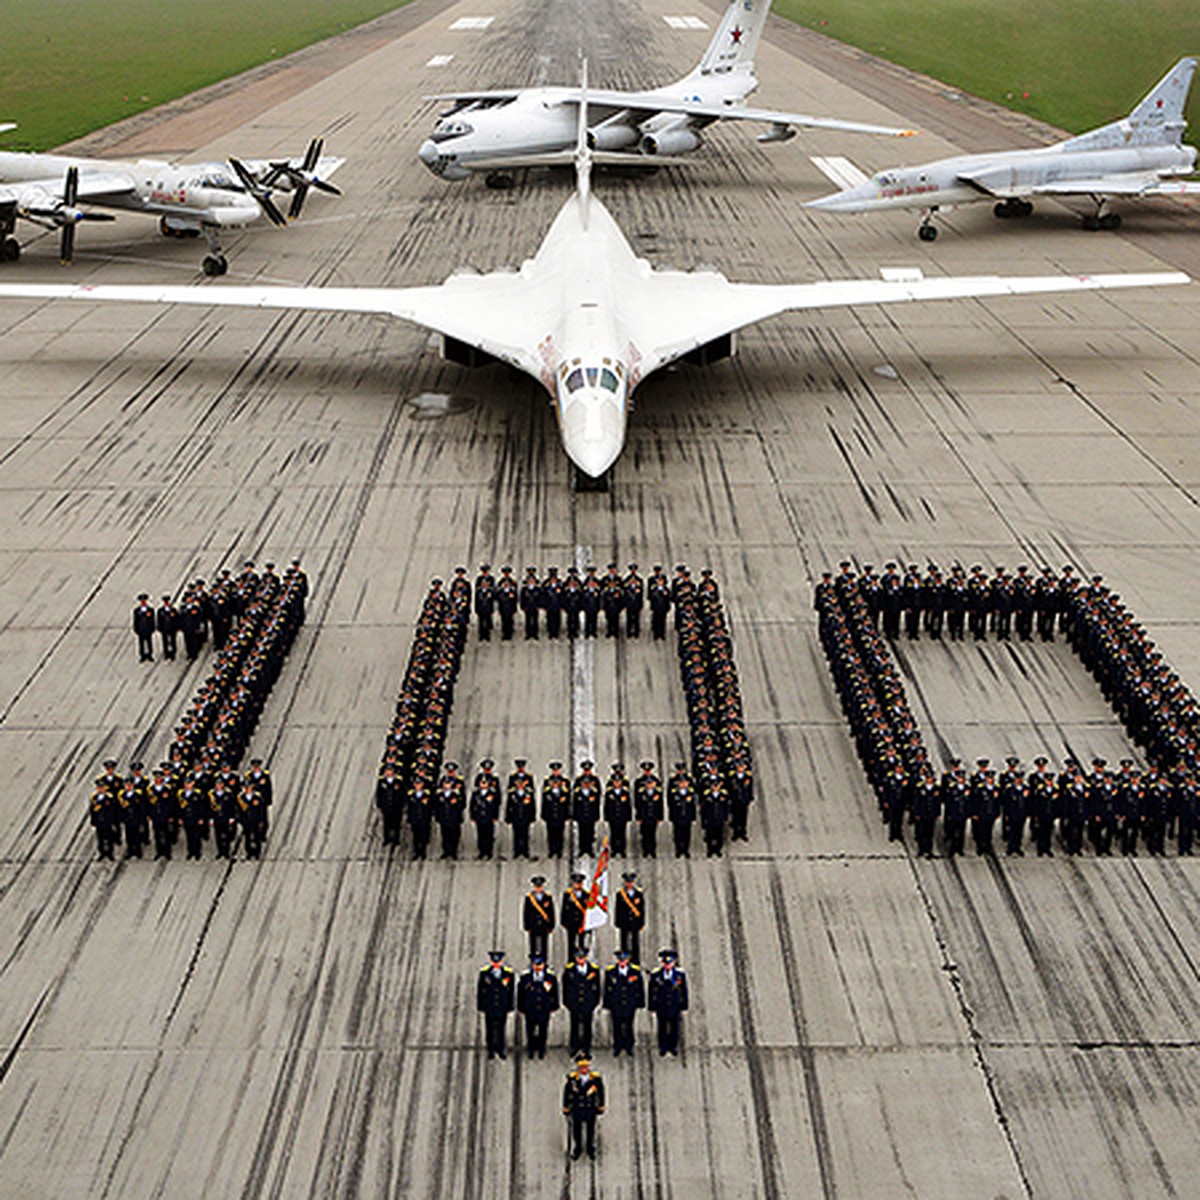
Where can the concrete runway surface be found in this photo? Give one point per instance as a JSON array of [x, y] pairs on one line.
[[863, 1024]]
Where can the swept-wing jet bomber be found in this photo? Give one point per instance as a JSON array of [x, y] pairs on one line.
[[587, 317], [58, 191], [498, 132], [1140, 156]]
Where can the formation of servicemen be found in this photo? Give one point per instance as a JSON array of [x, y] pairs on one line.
[[197, 789], [416, 788], [1093, 805], [622, 989]]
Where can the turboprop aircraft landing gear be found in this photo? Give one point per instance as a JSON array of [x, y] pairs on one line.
[[581, 481], [1101, 218], [500, 181], [927, 231], [10, 251], [214, 262], [1013, 207]]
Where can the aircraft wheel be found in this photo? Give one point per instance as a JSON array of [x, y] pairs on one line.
[[1091, 223], [500, 181], [215, 264], [1025, 208], [1001, 210], [164, 228], [928, 233], [1110, 221], [12, 249]]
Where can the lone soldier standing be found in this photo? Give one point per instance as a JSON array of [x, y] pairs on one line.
[[583, 1102], [668, 1001], [581, 998], [537, 1000], [485, 809], [556, 808], [537, 916], [495, 997], [618, 809], [624, 994], [573, 914], [630, 915], [167, 620], [143, 626], [648, 808], [681, 808], [741, 796]]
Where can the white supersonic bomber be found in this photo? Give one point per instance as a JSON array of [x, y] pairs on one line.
[[587, 317], [1140, 156]]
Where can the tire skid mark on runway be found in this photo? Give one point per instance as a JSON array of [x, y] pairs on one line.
[[768, 1149]]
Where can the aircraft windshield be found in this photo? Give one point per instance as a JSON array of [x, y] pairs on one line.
[[592, 377], [218, 179], [445, 130]]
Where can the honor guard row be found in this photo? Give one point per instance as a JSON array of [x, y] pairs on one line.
[[563, 804], [622, 989], [201, 609], [1099, 806]]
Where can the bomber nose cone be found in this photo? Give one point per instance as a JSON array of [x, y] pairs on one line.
[[835, 202]]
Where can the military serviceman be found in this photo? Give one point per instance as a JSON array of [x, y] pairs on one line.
[[421, 804], [167, 622], [1014, 804], [495, 997], [222, 813], [259, 778], [583, 1102], [1043, 805], [389, 799], [612, 600], [451, 809], [984, 801], [581, 998], [531, 602], [572, 601], [552, 602], [926, 806], [590, 602], [648, 808], [585, 806], [740, 785], [556, 808], [681, 809], [668, 1001], [485, 601], [618, 809], [143, 626], [192, 805], [485, 808], [624, 994], [634, 599], [537, 1000], [629, 914], [573, 914], [520, 808], [103, 818], [506, 602], [537, 916], [160, 805], [954, 807], [250, 815], [658, 593]]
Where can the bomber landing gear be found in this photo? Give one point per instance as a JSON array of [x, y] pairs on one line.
[[927, 231], [215, 264], [1013, 207], [500, 181], [1102, 220], [581, 481]]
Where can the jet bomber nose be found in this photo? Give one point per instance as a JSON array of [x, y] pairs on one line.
[[845, 201], [593, 429]]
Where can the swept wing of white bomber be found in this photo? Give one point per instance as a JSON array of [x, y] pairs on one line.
[[1140, 156], [586, 316]]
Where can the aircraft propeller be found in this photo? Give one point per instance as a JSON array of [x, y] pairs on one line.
[[68, 215], [259, 191], [302, 177]]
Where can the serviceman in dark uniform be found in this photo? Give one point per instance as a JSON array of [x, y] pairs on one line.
[[583, 1102], [926, 806], [1101, 806], [1128, 807], [984, 801], [911, 596], [954, 807], [1045, 603], [714, 812], [612, 601], [556, 808], [485, 809], [681, 809], [933, 601], [891, 600], [485, 601], [531, 603], [624, 994], [520, 808], [259, 778], [506, 602], [581, 998], [537, 916], [634, 599], [421, 805], [979, 603], [1014, 806], [1002, 604], [1187, 809], [572, 601], [618, 809], [629, 915], [222, 809], [451, 809], [648, 808], [668, 1001], [585, 806], [1024, 602], [496, 997], [537, 1001], [956, 603], [573, 913], [552, 602], [103, 818], [167, 622], [389, 799], [129, 809], [143, 626], [1043, 806], [249, 813], [590, 602], [658, 593], [740, 785], [161, 809], [193, 806], [1073, 798]]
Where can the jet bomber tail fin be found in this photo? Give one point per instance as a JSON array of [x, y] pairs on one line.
[[734, 44], [1156, 121]]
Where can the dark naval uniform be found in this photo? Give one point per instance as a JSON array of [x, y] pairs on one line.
[[629, 915], [537, 1001], [495, 997], [537, 917], [668, 1001], [583, 1102], [581, 998], [624, 994]]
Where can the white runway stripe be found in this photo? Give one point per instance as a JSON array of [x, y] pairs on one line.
[[839, 170]]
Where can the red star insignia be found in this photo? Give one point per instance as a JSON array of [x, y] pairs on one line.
[[736, 34]]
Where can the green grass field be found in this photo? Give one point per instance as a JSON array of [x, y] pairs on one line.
[[71, 66], [1073, 63]]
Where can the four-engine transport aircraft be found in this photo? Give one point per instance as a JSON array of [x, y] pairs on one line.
[[1139, 156], [586, 316], [501, 131], [57, 191]]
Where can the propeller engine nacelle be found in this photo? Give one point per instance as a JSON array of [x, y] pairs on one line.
[[612, 137], [675, 139]]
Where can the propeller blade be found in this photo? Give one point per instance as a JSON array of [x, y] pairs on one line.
[[66, 250], [71, 187], [268, 206], [322, 186], [298, 197], [259, 193], [312, 155], [96, 216]]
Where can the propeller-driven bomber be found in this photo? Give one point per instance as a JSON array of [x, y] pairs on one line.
[[190, 199]]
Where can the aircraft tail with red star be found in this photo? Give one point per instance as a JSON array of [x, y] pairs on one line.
[[733, 46], [1157, 120]]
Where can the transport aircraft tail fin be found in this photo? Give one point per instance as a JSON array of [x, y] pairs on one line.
[[736, 40]]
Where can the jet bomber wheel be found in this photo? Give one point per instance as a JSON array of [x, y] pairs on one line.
[[1025, 208], [500, 181], [12, 249], [1091, 223], [928, 233], [1110, 221]]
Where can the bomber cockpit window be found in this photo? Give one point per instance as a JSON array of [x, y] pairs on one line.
[[608, 380], [575, 380]]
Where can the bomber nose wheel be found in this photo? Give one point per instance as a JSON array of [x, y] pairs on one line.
[[927, 233], [500, 181], [215, 264]]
